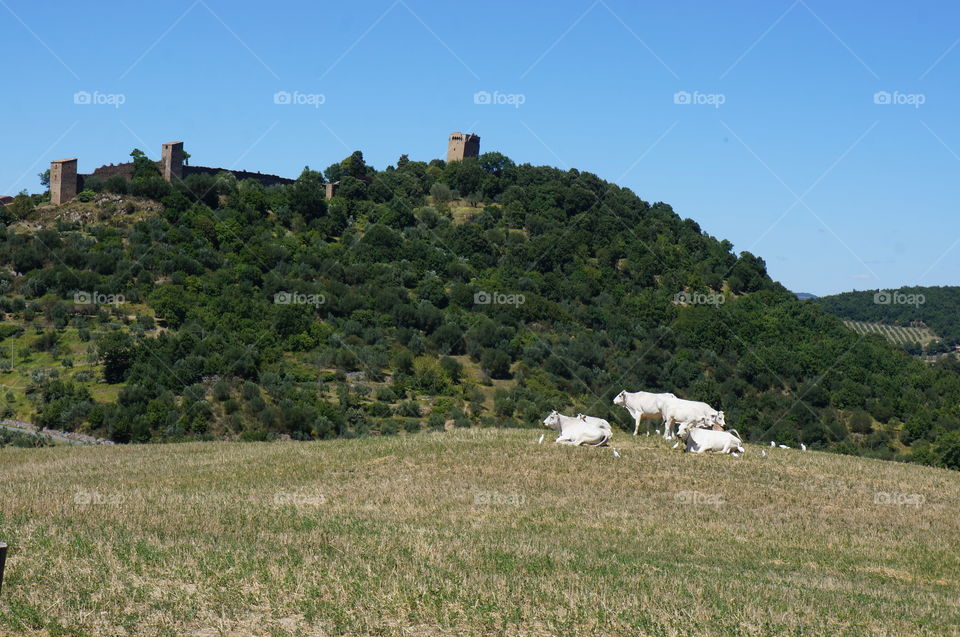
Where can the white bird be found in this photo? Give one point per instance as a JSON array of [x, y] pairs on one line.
[[616, 454], [773, 444], [803, 447], [783, 446], [540, 442], [763, 454]]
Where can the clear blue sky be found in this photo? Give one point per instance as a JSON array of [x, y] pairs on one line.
[[798, 164]]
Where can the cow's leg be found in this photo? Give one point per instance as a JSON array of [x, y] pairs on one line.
[[668, 428], [636, 426]]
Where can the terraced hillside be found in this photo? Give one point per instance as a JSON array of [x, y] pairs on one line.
[[896, 334]]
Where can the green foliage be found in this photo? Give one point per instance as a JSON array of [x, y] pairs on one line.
[[279, 313], [937, 307]]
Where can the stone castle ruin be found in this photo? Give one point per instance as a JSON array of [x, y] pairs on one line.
[[66, 182], [462, 145]]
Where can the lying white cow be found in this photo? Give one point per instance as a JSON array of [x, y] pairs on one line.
[[579, 431], [692, 413], [642, 406], [593, 420], [703, 440]]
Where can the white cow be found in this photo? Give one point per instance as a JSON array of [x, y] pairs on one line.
[[641, 405], [579, 431], [688, 412], [593, 420], [702, 440]]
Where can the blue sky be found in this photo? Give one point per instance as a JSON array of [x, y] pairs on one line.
[[757, 119]]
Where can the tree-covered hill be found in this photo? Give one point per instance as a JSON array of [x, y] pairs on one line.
[[426, 295], [937, 307]]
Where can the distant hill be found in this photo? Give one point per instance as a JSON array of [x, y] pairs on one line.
[[803, 296], [896, 334], [937, 308]]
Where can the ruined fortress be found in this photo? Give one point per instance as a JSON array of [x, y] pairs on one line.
[[462, 145], [66, 182]]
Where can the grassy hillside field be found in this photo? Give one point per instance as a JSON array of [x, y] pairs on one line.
[[473, 532]]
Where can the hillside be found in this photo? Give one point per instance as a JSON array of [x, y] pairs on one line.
[[896, 334], [424, 296], [937, 307], [474, 532]]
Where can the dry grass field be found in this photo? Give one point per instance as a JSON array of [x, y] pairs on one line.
[[473, 532]]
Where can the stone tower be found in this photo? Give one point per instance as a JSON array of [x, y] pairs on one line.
[[462, 145], [171, 160], [63, 180]]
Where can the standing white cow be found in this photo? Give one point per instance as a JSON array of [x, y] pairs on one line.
[[579, 431], [688, 412], [642, 405], [703, 440]]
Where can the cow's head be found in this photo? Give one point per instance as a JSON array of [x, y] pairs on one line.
[[683, 430], [553, 420], [620, 398], [720, 419]]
